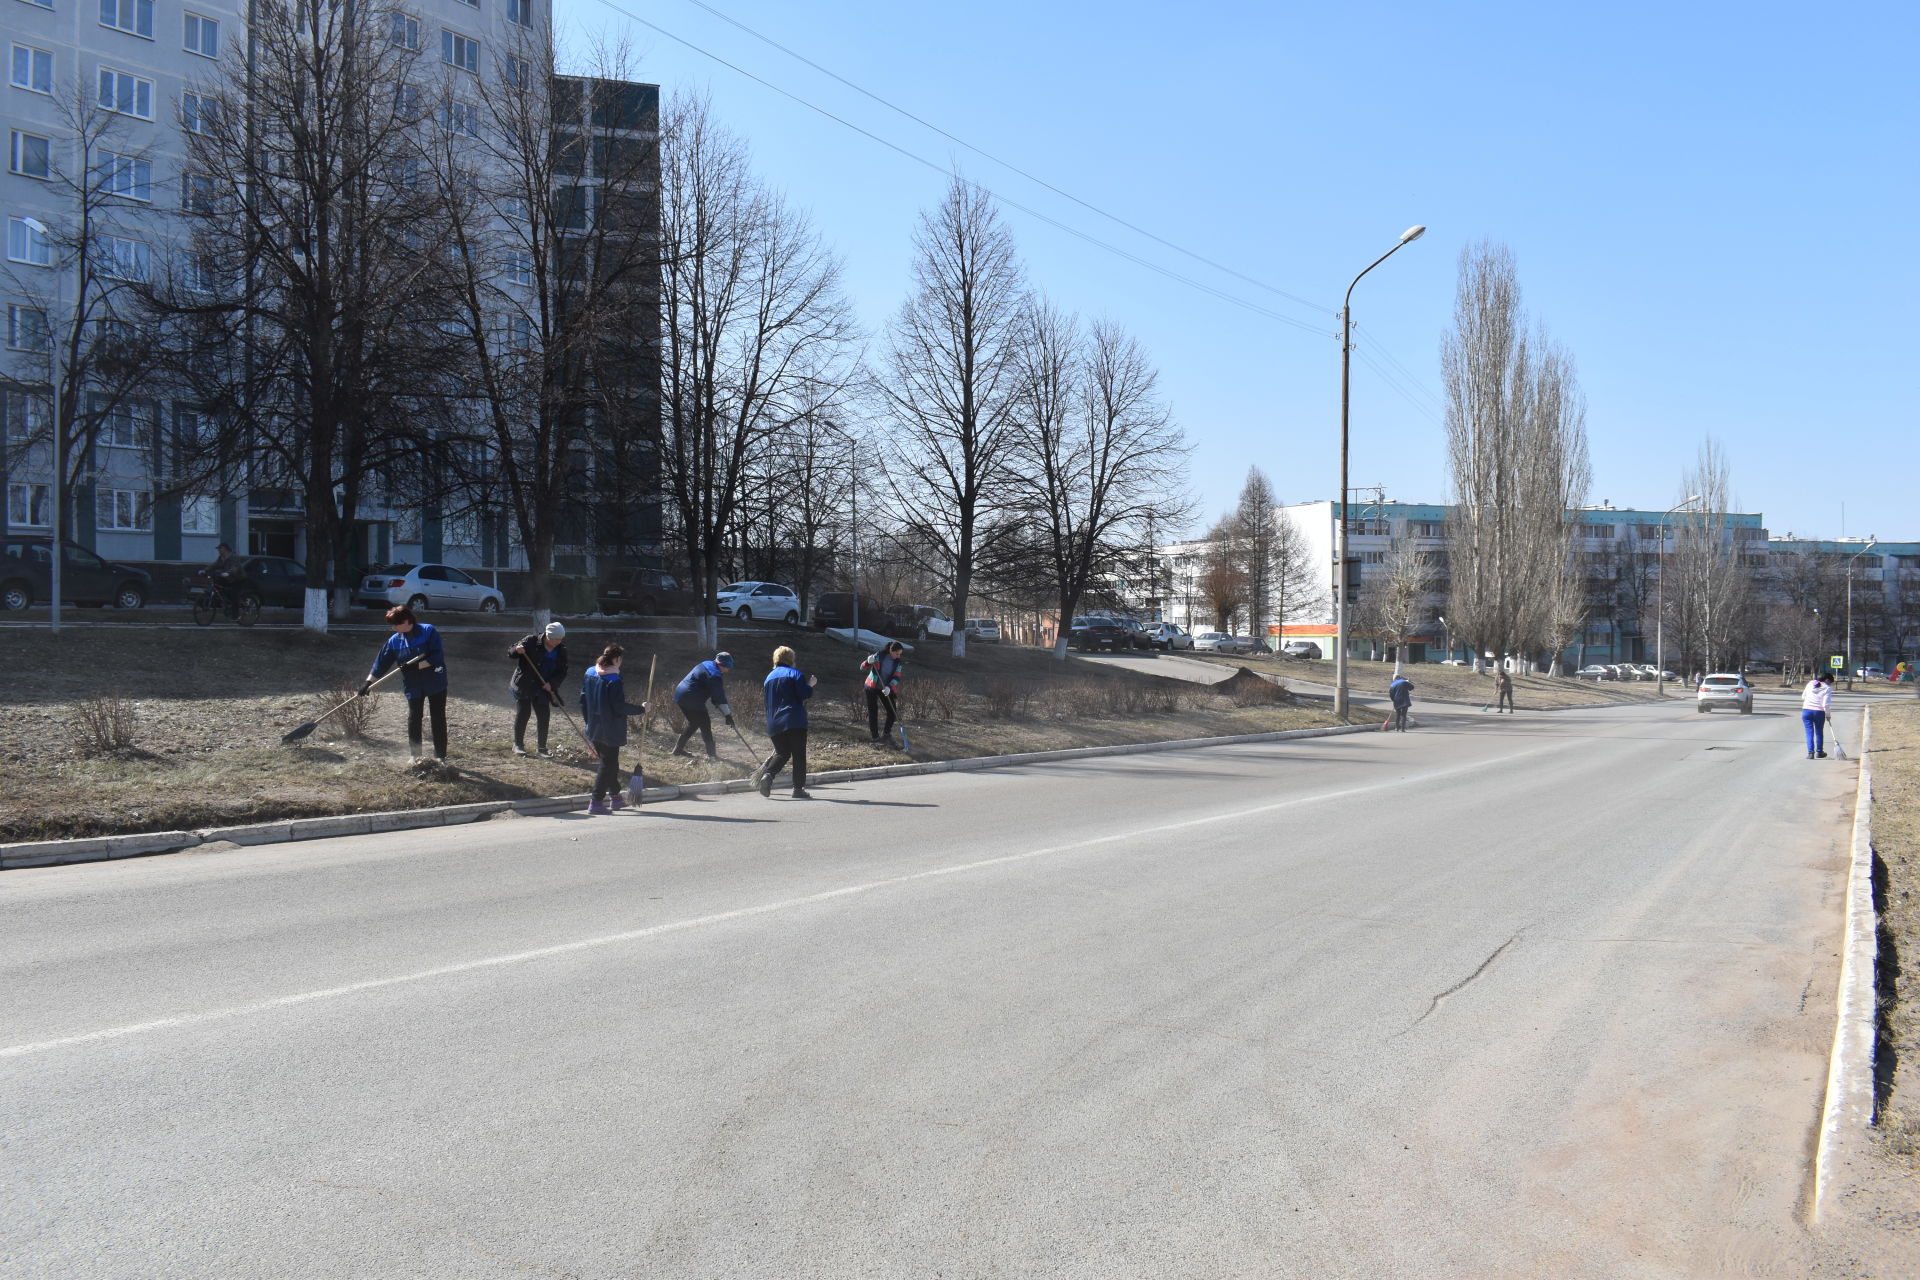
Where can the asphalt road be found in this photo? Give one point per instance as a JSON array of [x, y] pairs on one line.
[[1534, 996]]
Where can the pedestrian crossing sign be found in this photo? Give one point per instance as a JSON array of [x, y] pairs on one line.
[[1836, 662]]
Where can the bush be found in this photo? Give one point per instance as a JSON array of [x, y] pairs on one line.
[[1008, 699], [929, 698], [105, 725], [351, 720]]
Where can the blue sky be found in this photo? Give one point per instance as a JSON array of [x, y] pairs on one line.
[[1708, 203]]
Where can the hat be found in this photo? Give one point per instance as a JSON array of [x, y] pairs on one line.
[[555, 631], [724, 658]]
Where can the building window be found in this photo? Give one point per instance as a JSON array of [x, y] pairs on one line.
[[406, 31], [196, 193], [520, 11], [520, 333], [458, 51], [124, 259], [124, 510], [200, 515], [126, 176], [202, 36], [135, 17], [198, 112], [121, 427], [519, 267], [462, 118], [31, 68], [27, 416], [1429, 529], [26, 328], [24, 244], [27, 504], [196, 276], [31, 155], [519, 72], [130, 95]]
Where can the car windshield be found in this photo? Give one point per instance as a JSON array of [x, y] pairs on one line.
[[733, 588], [401, 569]]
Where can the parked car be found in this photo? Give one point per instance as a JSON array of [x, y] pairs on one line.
[[835, 609], [983, 629], [1094, 633], [278, 582], [1301, 649], [1169, 637], [648, 592], [1871, 671], [1594, 672], [1137, 637], [1215, 642], [765, 601], [26, 576], [933, 622], [1724, 689], [427, 586]]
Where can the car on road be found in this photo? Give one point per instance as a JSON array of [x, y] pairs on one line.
[[759, 601], [427, 586], [1724, 689], [648, 592], [987, 629], [932, 621], [1595, 672], [277, 582], [1301, 649], [1169, 637], [1091, 634], [26, 576], [1215, 642], [1871, 671]]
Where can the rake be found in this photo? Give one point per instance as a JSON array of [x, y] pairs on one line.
[[302, 730]]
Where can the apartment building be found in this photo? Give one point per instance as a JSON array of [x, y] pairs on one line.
[[99, 98]]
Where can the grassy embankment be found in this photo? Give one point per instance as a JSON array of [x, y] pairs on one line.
[[1896, 840], [206, 709]]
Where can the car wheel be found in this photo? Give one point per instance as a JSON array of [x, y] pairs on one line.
[[744, 614], [1703, 708], [793, 617], [130, 597], [489, 605], [1746, 709], [16, 595], [418, 604]]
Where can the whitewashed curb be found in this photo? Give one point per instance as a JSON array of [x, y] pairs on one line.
[[101, 848], [1849, 1108]]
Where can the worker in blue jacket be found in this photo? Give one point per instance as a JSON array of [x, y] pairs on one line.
[[787, 689], [706, 683], [604, 707], [415, 648]]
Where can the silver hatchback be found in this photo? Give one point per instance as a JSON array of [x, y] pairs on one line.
[[1724, 691]]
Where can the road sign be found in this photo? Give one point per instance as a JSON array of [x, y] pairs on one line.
[[1836, 662]]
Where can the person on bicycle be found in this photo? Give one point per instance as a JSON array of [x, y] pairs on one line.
[[228, 574]]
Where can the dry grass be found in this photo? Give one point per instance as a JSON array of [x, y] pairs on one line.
[[213, 705], [105, 724], [1896, 839]]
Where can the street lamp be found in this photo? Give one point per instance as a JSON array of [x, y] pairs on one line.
[[1660, 601], [58, 449], [1871, 544], [1407, 237]]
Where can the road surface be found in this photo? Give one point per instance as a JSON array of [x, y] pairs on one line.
[[1536, 996]]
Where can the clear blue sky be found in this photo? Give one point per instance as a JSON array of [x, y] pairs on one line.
[[1710, 205]]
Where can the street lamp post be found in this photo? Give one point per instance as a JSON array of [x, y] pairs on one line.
[[1660, 601], [1851, 560], [1407, 237]]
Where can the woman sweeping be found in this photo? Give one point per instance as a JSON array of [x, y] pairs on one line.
[[787, 689], [603, 705]]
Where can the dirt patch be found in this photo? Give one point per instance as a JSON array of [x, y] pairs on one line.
[[205, 711], [1896, 841]]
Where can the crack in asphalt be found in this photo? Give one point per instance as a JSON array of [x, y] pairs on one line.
[[1484, 966]]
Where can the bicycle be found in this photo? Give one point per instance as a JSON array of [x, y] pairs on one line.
[[215, 600]]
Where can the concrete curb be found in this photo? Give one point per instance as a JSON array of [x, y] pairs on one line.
[[1848, 1113], [48, 853]]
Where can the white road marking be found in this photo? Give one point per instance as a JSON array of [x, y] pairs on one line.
[[723, 917]]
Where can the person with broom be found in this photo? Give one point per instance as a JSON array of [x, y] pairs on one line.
[[787, 689], [883, 671], [1400, 693], [539, 665], [416, 649], [706, 683], [604, 706]]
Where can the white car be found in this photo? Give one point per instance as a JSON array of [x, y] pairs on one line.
[[765, 601], [1215, 642], [1724, 689], [983, 629], [427, 586], [933, 622]]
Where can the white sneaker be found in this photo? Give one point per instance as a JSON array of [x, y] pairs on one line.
[[520, 751]]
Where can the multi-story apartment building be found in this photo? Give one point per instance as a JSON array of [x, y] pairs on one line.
[[99, 98]]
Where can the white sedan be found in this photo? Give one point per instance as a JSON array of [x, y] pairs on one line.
[[427, 586], [767, 601], [1215, 642]]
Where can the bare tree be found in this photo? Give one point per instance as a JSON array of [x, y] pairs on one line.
[[754, 332], [1398, 602], [1709, 594], [952, 376], [1223, 576]]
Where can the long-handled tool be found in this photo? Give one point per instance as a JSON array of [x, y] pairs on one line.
[[555, 699], [637, 784], [300, 731], [898, 723], [1834, 729]]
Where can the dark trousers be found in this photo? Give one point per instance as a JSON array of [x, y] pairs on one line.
[[540, 707], [1506, 698], [875, 700], [697, 718], [1815, 723], [788, 744], [607, 781], [1400, 718], [415, 708]]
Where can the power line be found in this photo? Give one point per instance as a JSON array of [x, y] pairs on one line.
[[1414, 380], [1224, 296], [1007, 164]]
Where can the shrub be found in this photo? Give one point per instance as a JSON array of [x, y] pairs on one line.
[[105, 724], [351, 720]]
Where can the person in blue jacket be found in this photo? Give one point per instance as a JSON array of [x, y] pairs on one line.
[[1400, 693], [604, 706], [705, 683], [787, 689], [415, 647]]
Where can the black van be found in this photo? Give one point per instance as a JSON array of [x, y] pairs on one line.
[[835, 609], [26, 576]]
